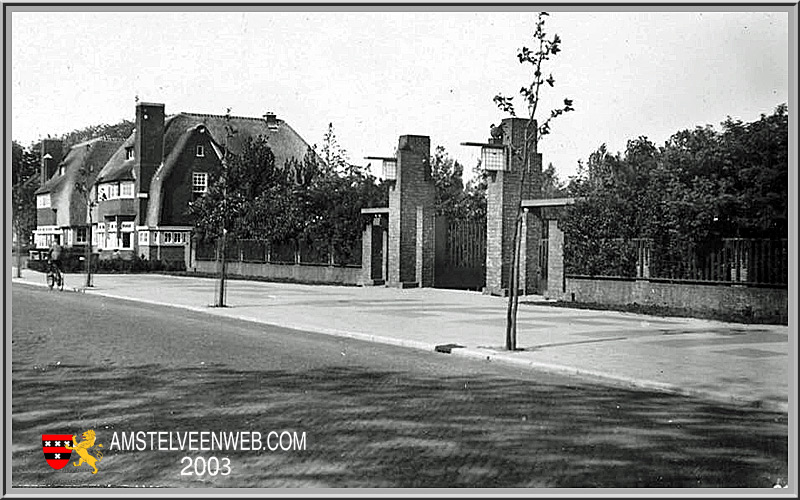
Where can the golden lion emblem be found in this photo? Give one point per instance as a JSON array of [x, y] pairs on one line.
[[83, 450]]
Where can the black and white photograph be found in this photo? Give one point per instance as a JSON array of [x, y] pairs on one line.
[[400, 249]]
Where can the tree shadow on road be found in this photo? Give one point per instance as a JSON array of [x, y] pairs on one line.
[[368, 428]]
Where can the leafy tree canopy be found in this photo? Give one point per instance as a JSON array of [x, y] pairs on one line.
[[700, 186]]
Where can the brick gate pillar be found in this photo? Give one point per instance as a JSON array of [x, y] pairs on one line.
[[555, 261], [411, 215], [502, 202], [373, 246]]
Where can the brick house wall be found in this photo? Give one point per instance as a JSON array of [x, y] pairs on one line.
[[175, 207]]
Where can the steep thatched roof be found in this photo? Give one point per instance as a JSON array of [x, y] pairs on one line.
[[92, 155], [284, 142]]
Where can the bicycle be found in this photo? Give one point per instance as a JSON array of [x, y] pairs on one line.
[[54, 276]]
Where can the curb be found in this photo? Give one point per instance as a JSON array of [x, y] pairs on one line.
[[620, 381], [482, 354]]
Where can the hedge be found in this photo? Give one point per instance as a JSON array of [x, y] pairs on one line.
[[71, 262]]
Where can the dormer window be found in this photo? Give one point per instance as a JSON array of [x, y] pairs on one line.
[[129, 153], [43, 201], [61, 170], [199, 150]]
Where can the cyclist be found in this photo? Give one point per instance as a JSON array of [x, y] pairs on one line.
[[54, 255]]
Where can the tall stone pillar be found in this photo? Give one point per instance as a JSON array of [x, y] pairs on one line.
[[373, 247], [555, 261], [502, 204], [411, 215]]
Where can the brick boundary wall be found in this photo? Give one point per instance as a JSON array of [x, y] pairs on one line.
[[334, 275], [755, 302]]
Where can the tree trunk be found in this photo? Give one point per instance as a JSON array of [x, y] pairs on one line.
[[88, 283], [89, 255], [221, 297], [19, 252], [513, 280]]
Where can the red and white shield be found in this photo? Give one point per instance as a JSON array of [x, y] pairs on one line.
[[55, 451]]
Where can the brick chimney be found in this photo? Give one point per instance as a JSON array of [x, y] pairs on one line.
[[272, 120], [149, 143], [52, 154]]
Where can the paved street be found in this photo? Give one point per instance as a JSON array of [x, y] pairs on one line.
[[375, 415], [726, 362]]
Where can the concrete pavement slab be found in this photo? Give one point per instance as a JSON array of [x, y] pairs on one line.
[[743, 364]]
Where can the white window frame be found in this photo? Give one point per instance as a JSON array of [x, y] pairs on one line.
[[199, 151], [126, 189], [199, 182], [43, 200], [129, 153], [80, 235], [113, 191]]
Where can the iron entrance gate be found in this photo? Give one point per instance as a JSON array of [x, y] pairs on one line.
[[460, 260]]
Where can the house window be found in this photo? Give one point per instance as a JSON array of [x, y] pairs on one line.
[[102, 192], [113, 191], [199, 182], [126, 240], [126, 190], [43, 201], [199, 150], [80, 235], [129, 153], [167, 237]]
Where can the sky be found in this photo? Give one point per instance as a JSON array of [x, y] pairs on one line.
[[378, 75]]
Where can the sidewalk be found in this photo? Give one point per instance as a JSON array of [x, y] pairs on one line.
[[726, 362]]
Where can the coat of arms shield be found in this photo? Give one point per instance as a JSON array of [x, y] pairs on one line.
[[55, 451]]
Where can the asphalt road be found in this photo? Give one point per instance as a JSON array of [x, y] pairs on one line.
[[374, 415]]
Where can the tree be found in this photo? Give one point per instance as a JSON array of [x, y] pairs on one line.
[[544, 49], [84, 184], [447, 176], [121, 130], [702, 186], [552, 186], [334, 157], [335, 197], [24, 182]]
